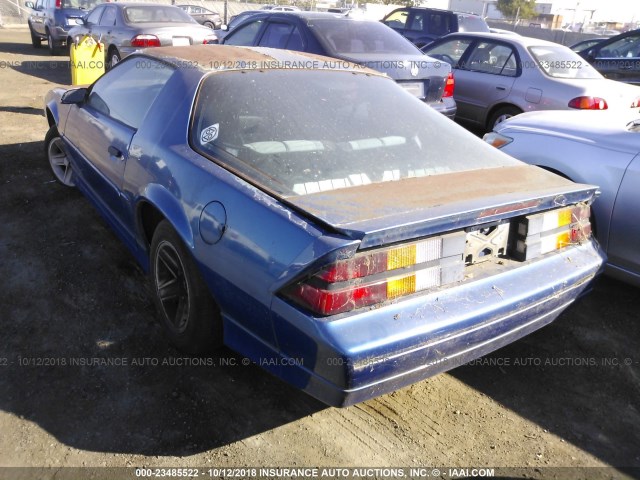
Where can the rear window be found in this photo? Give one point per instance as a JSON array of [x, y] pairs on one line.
[[81, 4], [297, 132], [562, 62], [343, 37], [471, 23], [156, 13]]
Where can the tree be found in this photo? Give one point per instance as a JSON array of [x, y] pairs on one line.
[[509, 8]]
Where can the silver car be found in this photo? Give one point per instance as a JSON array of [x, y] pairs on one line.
[[499, 76], [601, 148], [364, 42], [124, 28]]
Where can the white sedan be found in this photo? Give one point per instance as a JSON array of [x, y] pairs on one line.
[[600, 148]]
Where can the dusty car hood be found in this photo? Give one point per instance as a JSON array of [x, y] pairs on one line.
[[606, 128], [393, 211]]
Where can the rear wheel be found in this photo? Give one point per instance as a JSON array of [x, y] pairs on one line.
[[113, 58], [501, 115], [209, 25], [190, 316], [53, 48]]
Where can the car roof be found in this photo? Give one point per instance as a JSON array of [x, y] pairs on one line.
[[221, 58], [516, 39], [141, 4], [310, 15]]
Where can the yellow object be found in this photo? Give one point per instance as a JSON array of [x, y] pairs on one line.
[[87, 61]]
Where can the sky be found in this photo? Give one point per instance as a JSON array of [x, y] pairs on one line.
[[605, 10]]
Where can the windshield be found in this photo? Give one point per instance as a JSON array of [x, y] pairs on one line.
[[562, 62], [297, 132], [156, 13], [341, 36]]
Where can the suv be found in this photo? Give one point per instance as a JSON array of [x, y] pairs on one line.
[[51, 20], [424, 25]]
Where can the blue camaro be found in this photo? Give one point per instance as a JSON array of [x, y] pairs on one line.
[[318, 218]]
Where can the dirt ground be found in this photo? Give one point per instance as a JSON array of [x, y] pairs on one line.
[[566, 396]]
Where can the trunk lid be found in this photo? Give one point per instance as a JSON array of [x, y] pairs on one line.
[[394, 211]]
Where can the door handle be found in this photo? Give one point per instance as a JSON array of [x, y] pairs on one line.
[[501, 88], [113, 151]]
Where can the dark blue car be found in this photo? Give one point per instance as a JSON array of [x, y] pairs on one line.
[[317, 218], [364, 42]]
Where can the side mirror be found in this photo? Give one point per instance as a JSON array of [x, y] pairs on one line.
[[74, 97], [224, 27]]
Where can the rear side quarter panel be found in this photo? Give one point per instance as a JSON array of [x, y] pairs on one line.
[[580, 162]]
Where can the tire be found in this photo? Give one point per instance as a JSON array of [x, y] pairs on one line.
[[188, 312], [36, 41], [501, 115], [113, 58], [209, 25], [59, 162], [53, 48]]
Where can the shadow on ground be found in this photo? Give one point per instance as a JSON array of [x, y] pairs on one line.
[[55, 71], [577, 378], [86, 359]]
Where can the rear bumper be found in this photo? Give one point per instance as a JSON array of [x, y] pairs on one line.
[[361, 356], [447, 106]]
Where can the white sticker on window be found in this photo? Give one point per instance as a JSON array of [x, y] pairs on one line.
[[209, 134]]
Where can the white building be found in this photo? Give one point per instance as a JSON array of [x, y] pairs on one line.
[[572, 11]]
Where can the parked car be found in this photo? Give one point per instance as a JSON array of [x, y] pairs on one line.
[[124, 28], [280, 8], [234, 22], [617, 58], [499, 76], [203, 16], [599, 148], [51, 20], [316, 218], [365, 42], [423, 25], [586, 44]]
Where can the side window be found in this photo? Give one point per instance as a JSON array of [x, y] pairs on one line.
[[126, 92], [295, 41], [276, 35], [94, 17], [109, 17], [493, 58], [397, 19], [245, 35], [417, 22], [450, 51], [39, 5], [628, 47], [439, 24]]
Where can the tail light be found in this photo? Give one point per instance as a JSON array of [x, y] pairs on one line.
[[58, 3], [376, 276], [635, 103], [210, 40], [449, 86], [373, 277], [497, 139], [145, 41], [542, 233], [588, 103]]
